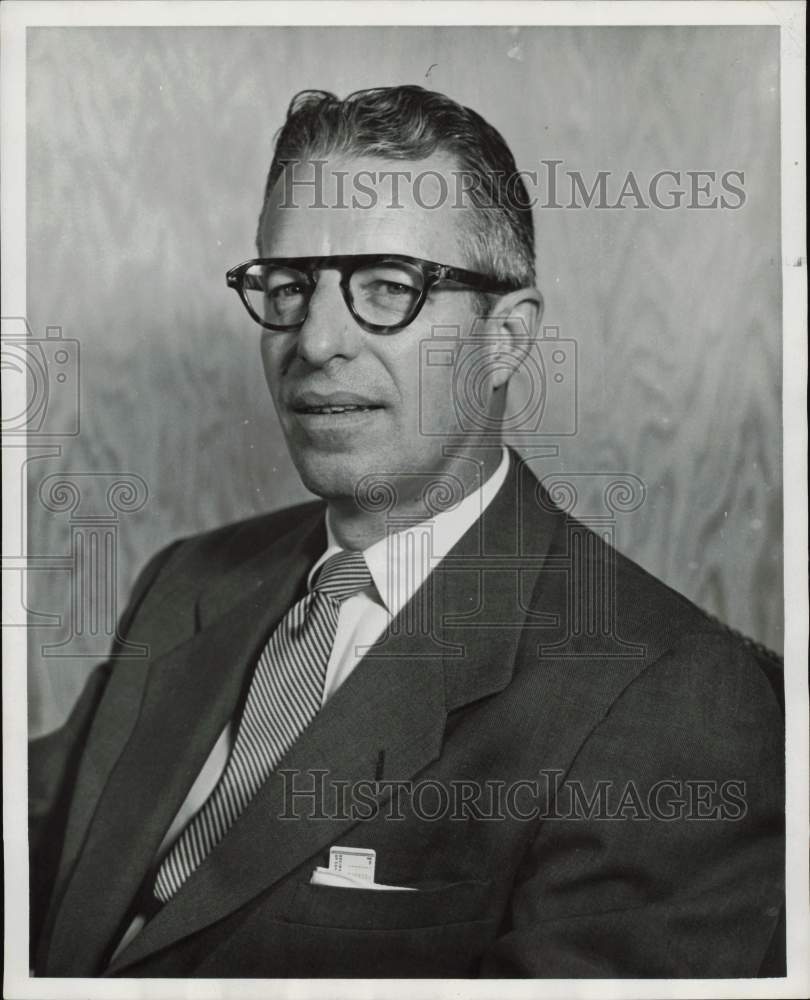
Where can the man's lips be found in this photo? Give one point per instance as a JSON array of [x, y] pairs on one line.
[[332, 403]]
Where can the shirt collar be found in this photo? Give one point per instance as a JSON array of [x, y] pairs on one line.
[[400, 563]]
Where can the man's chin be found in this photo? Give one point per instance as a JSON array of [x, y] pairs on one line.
[[336, 477]]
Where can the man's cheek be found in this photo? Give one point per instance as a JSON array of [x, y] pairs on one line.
[[432, 410]]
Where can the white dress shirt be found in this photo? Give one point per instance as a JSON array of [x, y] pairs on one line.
[[399, 564]]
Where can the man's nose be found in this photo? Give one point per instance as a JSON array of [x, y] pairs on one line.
[[329, 331]]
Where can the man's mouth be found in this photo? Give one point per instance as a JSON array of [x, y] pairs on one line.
[[354, 408], [332, 404]]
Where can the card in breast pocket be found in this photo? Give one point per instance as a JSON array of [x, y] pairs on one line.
[[356, 862], [352, 868]]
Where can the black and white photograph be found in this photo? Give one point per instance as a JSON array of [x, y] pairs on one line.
[[405, 519]]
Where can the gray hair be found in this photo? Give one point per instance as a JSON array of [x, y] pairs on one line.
[[411, 123]]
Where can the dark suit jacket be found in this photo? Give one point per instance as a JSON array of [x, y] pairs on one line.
[[536, 654]]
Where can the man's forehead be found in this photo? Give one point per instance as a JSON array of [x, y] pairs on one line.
[[365, 204]]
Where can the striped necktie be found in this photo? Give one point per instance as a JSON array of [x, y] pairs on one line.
[[284, 696]]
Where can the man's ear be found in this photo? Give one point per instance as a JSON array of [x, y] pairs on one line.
[[514, 322]]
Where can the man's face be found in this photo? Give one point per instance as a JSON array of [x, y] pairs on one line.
[[331, 360]]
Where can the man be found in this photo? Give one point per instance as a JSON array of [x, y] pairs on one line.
[[378, 735]]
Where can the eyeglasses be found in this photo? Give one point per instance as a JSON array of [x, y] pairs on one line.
[[384, 292]]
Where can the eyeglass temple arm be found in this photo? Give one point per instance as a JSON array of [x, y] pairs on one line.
[[250, 282], [473, 280]]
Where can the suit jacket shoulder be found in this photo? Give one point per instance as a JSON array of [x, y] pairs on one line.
[[220, 549], [618, 609]]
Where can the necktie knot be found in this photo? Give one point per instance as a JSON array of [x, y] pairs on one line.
[[342, 575]]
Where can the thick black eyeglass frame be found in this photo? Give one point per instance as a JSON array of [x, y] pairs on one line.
[[347, 264]]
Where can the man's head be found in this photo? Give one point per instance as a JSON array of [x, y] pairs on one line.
[[397, 171]]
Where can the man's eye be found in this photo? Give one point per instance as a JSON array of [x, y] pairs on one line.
[[392, 288], [286, 291]]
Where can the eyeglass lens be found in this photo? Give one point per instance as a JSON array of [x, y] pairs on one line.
[[382, 294]]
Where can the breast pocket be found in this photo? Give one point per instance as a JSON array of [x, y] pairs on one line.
[[437, 931], [429, 905]]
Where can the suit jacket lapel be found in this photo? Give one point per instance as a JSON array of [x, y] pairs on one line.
[[159, 728], [389, 705]]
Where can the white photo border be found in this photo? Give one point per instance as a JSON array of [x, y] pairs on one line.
[[15, 17]]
